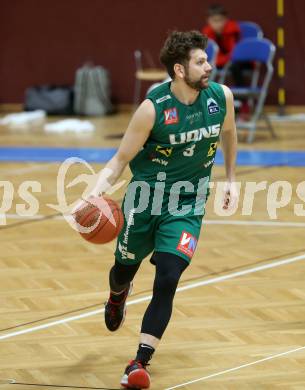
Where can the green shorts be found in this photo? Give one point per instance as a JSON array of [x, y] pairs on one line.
[[168, 231]]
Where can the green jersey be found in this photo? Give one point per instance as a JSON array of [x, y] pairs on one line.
[[183, 140]]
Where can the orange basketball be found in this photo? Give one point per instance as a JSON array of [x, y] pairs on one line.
[[99, 220]]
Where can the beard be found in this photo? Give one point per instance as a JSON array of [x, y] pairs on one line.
[[198, 84]]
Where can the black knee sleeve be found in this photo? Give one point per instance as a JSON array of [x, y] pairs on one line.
[[169, 268], [165, 284], [121, 275]]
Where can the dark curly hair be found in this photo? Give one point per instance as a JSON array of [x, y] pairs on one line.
[[217, 9], [177, 47]]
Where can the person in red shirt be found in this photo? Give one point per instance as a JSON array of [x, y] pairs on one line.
[[225, 32]]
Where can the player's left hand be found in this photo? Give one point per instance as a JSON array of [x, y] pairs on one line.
[[230, 197]]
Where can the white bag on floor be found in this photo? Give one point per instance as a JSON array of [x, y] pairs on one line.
[[72, 125], [24, 119]]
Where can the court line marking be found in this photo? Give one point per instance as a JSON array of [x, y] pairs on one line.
[[19, 171], [236, 368], [148, 297], [253, 223], [205, 221]]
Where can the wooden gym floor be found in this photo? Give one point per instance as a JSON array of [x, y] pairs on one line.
[[238, 324]]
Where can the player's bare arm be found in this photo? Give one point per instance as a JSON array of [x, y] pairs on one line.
[[228, 139], [132, 142]]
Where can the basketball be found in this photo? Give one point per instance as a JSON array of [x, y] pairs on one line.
[[99, 220]]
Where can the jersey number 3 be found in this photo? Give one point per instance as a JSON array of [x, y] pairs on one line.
[[188, 152]]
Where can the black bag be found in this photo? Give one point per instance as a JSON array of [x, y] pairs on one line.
[[55, 100]]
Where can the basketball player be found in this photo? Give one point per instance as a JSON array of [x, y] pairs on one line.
[[170, 144]]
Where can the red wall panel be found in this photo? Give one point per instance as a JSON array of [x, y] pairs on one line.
[[46, 41]]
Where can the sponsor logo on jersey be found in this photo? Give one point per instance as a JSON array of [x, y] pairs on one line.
[[212, 149], [171, 116], [163, 98], [187, 244], [160, 161], [213, 107], [195, 135], [194, 117], [207, 164], [163, 150]]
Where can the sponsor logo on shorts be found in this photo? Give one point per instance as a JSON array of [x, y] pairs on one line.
[[123, 247], [125, 254], [187, 244], [163, 98], [171, 116], [213, 107]]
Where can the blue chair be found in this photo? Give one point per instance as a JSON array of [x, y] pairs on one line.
[[247, 30], [250, 30], [260, 52], [212, 50]]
